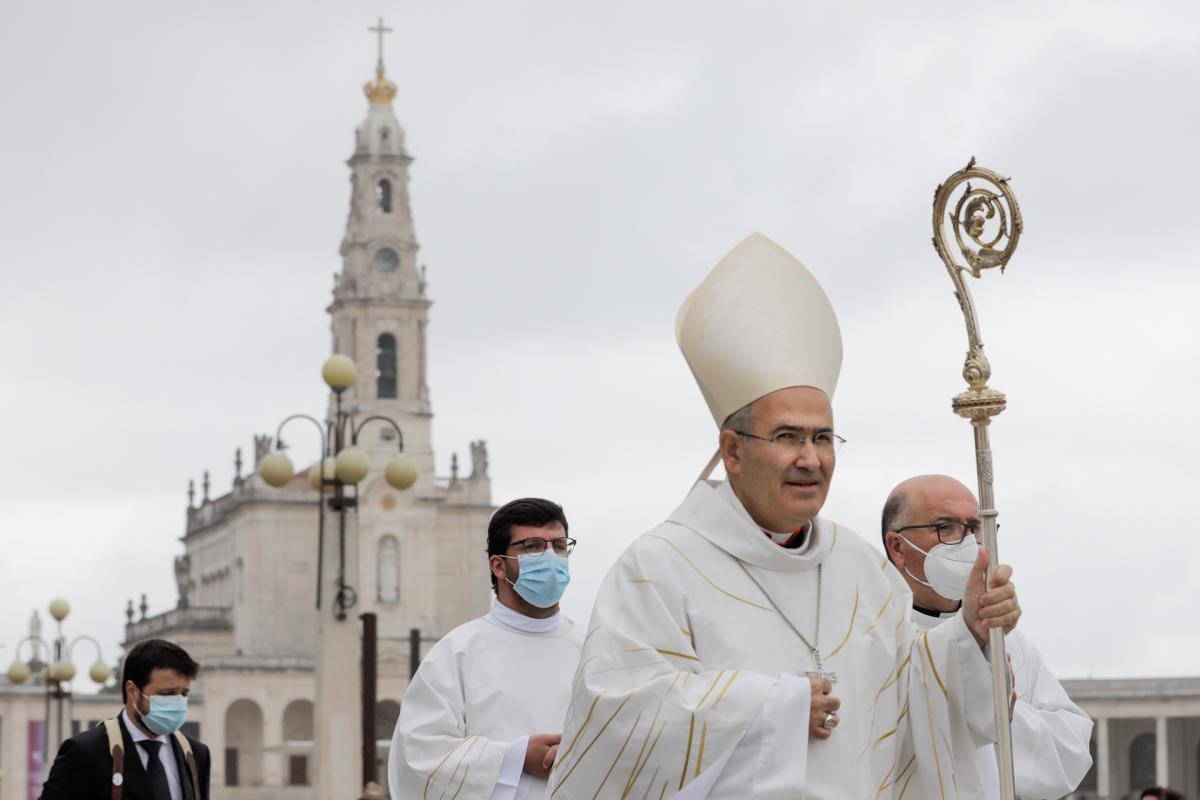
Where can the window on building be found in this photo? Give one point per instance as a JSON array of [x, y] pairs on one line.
[[231, 766], [1142, 760], [383, 196], [385, 366], [297, 770], [389, 570], [386, 714]]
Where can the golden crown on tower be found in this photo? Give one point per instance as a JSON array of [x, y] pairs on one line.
[[379, 91]]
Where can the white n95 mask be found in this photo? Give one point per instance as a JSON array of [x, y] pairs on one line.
[[947, 567]]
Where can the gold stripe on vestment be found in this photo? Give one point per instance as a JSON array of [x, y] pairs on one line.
[[933, 666], [462, 783], [445, 758], [850, 628], [650, 783], [586, 721], [716, 680], [834, 541], [638, 763], [641, 763], [637, 721], [457, 767], [700, 753], [725, 688], [592, 743], [687, 756], [705, 577], [937, 761]]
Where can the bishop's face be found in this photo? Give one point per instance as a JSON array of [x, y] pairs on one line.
[[781, 487]]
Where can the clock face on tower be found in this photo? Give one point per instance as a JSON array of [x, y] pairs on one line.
[[386, 259]]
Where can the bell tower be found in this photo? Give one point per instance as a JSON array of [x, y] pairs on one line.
[[380, 309]]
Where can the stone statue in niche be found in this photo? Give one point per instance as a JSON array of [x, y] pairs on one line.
[[183, 578], [262, 449], [479, 459]]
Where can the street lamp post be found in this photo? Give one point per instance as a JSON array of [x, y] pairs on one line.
[[342, 466], [57, 672]]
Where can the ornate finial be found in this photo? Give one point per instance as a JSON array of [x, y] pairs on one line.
[[380, 91], [35, 625], [454, 469], [237, 465], [191, 494], [129, 612], [144, 607], [205, 486]]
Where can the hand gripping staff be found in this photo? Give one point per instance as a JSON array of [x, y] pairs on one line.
[[976, 225]]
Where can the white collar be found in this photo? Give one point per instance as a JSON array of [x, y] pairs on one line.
[[506, 617], [136, 734], [725, 490]]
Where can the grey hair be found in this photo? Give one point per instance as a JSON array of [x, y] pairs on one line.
[[740, 420]]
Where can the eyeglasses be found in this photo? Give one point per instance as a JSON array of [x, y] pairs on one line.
[[950, 532], [791, 443], [536, 545]]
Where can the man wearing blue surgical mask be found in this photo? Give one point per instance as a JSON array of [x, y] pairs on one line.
[[931, 532], [155, 761], [483, 715]]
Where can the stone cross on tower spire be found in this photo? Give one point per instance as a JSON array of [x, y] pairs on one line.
[[381, 30]]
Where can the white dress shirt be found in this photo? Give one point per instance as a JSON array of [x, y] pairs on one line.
[[166, 754]]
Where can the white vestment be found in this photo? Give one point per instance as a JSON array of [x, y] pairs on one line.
[[478, 695], [692, 685], [1050, 734]]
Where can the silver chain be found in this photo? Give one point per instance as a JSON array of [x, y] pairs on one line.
[[812, 648]]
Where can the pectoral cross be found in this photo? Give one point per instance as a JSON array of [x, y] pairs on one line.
[[820, 673]]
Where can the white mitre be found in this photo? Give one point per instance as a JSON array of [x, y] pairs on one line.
[[758, 323]]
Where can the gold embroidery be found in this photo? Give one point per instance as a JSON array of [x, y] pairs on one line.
[[725, 688], [593, 630], [587, 749], [933, 666], [686, 632], [687, 756], [904, 788], [700, 752], [716, 680], [849, 630], [438, 768], [705, 577], [637, 721], [641, 580], [677, 655], [461, 785], [458, 766]]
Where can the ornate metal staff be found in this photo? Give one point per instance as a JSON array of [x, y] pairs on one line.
[[985, 224]]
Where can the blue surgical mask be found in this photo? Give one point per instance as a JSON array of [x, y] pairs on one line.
[[543, 578], [167, 713]]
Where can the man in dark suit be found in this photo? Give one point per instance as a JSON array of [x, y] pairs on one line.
[[156, 680]]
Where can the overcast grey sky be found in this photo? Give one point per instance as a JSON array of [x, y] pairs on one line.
[[173, 193]]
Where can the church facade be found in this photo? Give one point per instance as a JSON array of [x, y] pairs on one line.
[[248, 576]]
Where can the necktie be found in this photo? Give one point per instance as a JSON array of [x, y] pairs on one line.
[[156, 775]]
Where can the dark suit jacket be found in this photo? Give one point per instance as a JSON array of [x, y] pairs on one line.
[[82, 770]]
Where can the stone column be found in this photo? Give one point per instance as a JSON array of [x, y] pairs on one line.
[[1161, 774], [338, 683], [1103, 762]]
